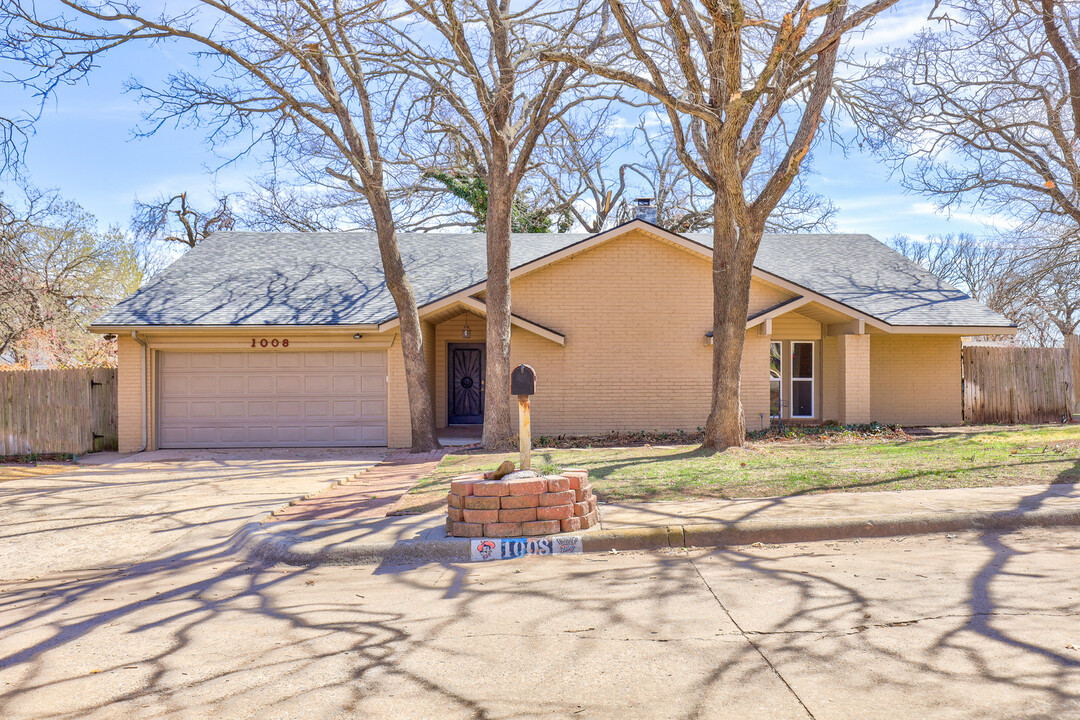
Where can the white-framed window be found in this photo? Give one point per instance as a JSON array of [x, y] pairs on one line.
[[801, 394], [776, 363]]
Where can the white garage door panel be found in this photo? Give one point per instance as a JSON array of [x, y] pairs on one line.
[[292, 399]]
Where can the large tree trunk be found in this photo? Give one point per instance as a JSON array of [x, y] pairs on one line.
[[498, 426], [733, 262], [421, 415]]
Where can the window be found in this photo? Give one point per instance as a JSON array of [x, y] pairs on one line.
[[775, 355], [802, 379]]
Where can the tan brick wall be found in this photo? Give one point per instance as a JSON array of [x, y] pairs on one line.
[[830, 407], [915, 379], [398, 425], [755, 380], [428, 331], [853, 379], [793, 326], [765, 295], [398, 428], [635, 356], [635, 312], [129, 394]]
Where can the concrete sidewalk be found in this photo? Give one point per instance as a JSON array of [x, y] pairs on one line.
[[366, 496], [368, 538]]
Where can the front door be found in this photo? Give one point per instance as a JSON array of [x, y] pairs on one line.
[[466, 401]]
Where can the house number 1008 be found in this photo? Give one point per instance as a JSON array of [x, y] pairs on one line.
[[269, 343]]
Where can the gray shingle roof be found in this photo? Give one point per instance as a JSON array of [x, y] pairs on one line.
[[249, 278], [869, 276]]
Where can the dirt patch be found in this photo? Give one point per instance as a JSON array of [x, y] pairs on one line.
[[418, 503], [20, 471]]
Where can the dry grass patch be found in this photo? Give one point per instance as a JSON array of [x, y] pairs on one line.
[[18, 471]]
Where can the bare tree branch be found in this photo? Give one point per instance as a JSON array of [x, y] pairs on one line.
[[730, 77], [981, 110], [295, 76]]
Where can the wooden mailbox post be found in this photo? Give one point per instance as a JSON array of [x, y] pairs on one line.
[[523, 384]]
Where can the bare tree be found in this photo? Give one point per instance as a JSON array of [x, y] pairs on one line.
[[174, 219], [982, 108], [730, 77], [1055, 293], [1037, 291], [586, 177], [578, 161], [488, 103], [273, 205], [57, 273], [290, 74], [12, 142], [986, 267], [684, 203], [1048, 309]]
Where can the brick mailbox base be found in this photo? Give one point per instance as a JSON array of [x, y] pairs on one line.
[[521, 507]]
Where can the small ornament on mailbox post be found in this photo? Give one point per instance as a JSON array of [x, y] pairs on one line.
[[523, 384]]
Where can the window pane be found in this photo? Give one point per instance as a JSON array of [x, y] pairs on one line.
[[774, 360], [802, 360], [774, 397], [802, 401]]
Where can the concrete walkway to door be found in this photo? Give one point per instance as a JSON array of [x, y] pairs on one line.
[[114, 510]]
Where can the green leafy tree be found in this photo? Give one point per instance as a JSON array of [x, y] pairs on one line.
[[528, 214]]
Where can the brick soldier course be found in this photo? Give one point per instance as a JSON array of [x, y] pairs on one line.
[[478, 506]]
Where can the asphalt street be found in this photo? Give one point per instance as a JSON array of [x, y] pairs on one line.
[[974, 625]]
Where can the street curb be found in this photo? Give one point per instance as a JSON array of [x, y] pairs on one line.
[[268, 546]]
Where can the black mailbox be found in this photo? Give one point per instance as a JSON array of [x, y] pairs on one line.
[[523, 380]]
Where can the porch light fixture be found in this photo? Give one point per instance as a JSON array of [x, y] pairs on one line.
[[466, 332], [357, 336]]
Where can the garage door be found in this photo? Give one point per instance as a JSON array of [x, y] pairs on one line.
[[282, 399]]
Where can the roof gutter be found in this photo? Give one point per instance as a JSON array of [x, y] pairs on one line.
[[145, 405], [121, 329]]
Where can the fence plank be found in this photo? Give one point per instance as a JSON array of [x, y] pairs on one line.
[[57, 411], [1072, 376], [1016, 384]]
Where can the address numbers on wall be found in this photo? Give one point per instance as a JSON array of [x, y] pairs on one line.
[[269, 342]]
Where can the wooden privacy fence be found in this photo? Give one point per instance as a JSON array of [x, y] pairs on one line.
[[1021, 385], [57, 411]]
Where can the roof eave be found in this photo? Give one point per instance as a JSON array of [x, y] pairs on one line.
[[122, 328], [953, 329]]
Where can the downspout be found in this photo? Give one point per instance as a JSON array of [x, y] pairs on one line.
[[145, 405]]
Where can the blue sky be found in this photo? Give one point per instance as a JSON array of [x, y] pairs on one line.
[[85, 146]]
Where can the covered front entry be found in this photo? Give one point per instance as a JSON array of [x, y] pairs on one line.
[[272, 399], [465, 401]]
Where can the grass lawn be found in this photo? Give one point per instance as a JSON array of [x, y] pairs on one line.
[[960, 457]]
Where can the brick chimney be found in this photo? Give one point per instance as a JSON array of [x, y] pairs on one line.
[[645, 209]]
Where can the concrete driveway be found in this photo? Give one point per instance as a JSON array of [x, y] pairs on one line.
[[116, 510]]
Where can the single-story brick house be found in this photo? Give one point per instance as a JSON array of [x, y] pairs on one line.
[[291, 339]]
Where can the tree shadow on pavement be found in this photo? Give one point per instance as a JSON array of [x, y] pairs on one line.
[[929, 627]]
